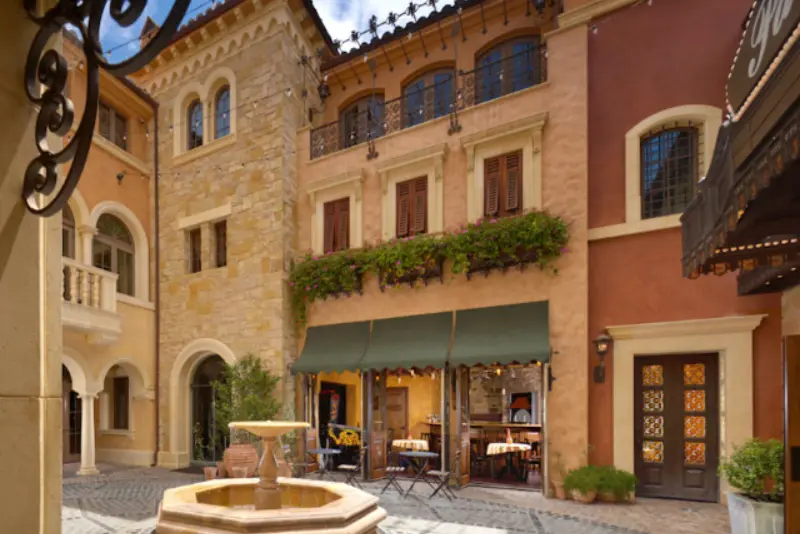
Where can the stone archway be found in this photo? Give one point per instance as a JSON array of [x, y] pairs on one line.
[[178, 452]]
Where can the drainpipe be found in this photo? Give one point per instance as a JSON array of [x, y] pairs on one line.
[[157, 290]]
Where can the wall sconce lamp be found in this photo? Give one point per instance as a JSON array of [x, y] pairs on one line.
[[601, 345]]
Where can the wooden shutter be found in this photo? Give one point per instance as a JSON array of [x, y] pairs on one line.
[[491, 186], [329, 226], [403, 208], [513, 181], [420, 205], [343, 224]]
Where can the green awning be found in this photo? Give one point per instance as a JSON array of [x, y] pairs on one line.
[[402, 343], [504, 334], [336, 347]]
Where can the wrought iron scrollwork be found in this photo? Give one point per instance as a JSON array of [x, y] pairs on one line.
[[46, 74]]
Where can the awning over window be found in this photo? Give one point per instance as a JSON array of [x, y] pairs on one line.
[[519, 333], [338, 347], [402, 343]]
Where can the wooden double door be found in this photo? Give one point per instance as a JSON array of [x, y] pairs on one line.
[[676, 427]]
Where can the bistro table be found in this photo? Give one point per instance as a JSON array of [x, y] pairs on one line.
[[323, 464], [419, 462], [509, 449], [411, 444]]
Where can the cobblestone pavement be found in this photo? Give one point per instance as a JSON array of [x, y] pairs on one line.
[[125, 501]]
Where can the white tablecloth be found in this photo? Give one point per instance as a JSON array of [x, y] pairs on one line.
[[502, 448], [413, 444]]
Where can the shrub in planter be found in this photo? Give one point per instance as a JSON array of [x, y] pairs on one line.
[[246, 392], [615, 485], [582, 483], [756, 469]]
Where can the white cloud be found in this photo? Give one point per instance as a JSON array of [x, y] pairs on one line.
[[342, 16]]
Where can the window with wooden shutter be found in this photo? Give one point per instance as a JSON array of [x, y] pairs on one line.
[[502, 183], [412, 207], [336, 230]]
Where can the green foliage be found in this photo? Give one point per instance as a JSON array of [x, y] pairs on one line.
[[584, 479], [246, 392], [199, 446], [533, 237], [756, 469], [618, 482]]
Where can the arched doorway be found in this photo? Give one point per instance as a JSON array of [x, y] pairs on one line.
[[205, 444], [71, 417]]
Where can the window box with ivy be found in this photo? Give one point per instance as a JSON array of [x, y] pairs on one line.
[[411, 260], [317, 277]]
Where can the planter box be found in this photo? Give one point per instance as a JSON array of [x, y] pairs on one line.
[[358, 287], [754, 517], [437, 271], [503, 262]]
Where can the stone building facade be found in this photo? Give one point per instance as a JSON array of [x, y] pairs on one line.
[[227, 205]]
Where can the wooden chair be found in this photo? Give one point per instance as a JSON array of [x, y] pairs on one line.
[[477, 451], [352, 471], [444, 479]]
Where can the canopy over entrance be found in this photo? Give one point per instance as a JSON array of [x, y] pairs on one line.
[[519, 333], [418, 341], [331, 348]]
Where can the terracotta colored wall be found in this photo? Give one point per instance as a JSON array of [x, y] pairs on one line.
[[686, 54], [563, 192]]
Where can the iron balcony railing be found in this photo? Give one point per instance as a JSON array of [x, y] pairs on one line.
[[482, 84]]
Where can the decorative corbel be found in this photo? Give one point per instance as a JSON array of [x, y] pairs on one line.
[[358, 189], [438, 167], [471, 158], [312, 199], [384, 182]]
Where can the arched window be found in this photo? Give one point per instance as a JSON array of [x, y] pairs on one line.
[[362, 120], [222, 112], [67, 233], [508, 67], [195, 125], [112, 250], [428, 96], [669, 171]]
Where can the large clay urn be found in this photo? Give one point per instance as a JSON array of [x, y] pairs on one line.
[[241, 455]]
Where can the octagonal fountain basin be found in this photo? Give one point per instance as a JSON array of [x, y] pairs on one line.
[[306, 506]]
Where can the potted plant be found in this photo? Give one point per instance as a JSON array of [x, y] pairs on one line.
[[558, 478], [582, 483], [245, 392], [756, 469], [615, 485]]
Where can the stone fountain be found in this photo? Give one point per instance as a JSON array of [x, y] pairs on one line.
[[269, 504]]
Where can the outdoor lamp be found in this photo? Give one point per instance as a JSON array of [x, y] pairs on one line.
[[601, 345]]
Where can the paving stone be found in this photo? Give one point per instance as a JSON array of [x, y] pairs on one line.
[[125, 501]]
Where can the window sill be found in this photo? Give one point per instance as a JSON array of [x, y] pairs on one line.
[[123, 155], [134, 301], [196, 153], [121, 433], [635, 227]]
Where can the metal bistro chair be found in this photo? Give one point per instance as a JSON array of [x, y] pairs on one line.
[[352, 471], [393, 469], [298, 469], [444, 479]]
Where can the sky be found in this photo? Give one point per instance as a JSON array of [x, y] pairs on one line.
[[340, 17]]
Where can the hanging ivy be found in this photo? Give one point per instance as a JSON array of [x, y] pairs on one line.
[[532, 238]]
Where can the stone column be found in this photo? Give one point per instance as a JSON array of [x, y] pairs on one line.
[[87, 234], [88, 466], [30, 308]]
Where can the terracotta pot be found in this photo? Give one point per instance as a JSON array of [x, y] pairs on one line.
[[241, 455], [239, 471], [586, 498], [220, 470], [210, 473], [606, 496], [558, 487]]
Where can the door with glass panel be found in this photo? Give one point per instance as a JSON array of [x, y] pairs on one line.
[[676, 433]]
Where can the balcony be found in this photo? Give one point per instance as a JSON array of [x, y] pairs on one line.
[[89, 302], [483, 84]]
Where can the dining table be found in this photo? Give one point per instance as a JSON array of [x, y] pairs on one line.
[[419, 461], [510, 450]]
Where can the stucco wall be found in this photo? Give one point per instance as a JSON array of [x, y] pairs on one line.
[[686, 65], [563, 192]]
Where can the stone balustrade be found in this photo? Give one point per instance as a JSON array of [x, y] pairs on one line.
[[89, 286]]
